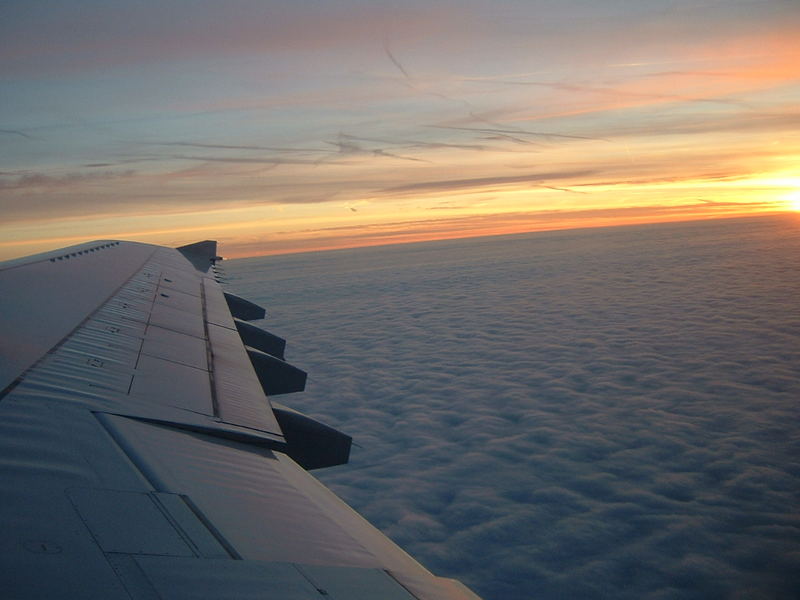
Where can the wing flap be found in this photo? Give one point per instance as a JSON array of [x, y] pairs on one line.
[[217, 311], [239, 397], [141, 459], [242, 489]]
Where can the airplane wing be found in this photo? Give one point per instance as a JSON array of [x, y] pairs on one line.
[[140, 456]]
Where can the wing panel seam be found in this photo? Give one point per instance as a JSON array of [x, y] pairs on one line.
[[209, 354], [63, 340]]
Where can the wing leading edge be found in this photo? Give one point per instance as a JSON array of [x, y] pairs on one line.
[[141, 458]]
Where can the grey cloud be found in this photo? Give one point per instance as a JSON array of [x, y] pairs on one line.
[[616, 92], [280, 149], [517, 132], [100, 190], [511, 138], [475, 182], [403, 143], [649, 123], [27, 180], [348, 145], [16, 132], [395, 62], [247, 160], [745, 122]]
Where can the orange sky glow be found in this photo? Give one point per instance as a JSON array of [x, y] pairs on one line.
[[415, 126]]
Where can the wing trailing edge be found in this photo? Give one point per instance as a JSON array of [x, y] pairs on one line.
[[140, 456]]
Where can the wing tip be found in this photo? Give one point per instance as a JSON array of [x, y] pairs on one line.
[[201, 254]]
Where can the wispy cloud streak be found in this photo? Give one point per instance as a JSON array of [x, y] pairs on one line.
[[479, 182], [270, 107]]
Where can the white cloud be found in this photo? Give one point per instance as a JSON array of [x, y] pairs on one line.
[[605, 413]]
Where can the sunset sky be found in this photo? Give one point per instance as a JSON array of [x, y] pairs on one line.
[[289, 126]]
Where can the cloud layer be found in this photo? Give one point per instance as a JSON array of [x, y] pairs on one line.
[[587, 414]]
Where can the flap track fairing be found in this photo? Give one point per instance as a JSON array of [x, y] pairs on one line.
[[275, 375], [257, 338], [244, 309], [310, 443]]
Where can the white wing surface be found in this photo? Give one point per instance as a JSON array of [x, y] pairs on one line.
[[141, 458]]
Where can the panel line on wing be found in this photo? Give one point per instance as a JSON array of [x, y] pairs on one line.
[[131, 522], [141, 465], [100, 305], [133, 578], [210, 526], [209, 354]]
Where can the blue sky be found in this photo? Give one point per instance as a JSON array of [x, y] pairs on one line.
[[279, 127]]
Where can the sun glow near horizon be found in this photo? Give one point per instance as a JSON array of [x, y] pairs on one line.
[[257, 230], [793, 200]]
